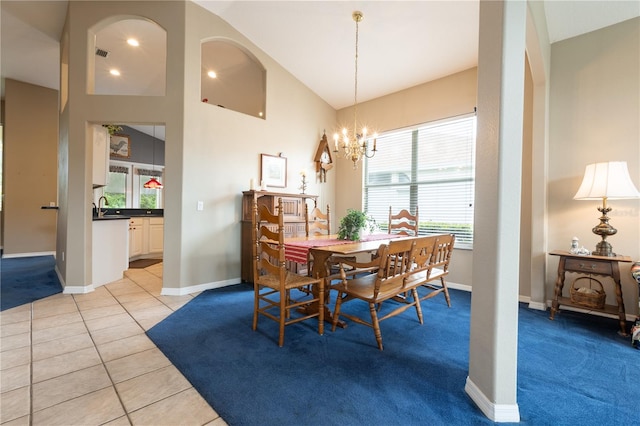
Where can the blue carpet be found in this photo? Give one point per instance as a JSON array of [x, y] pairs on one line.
[[574, 370], [26, 279]]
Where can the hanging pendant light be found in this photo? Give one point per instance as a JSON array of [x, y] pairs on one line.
[[153, 183]]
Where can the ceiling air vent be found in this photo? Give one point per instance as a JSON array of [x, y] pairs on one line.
[[100, 52]]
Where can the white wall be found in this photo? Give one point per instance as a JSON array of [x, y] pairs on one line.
[[594, 110], [211, 153]]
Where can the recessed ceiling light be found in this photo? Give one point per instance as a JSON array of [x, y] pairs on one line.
[[212, 74], [114, 72], [133, 42]]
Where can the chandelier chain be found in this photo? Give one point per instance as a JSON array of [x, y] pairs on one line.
[[354, 144], [355, 92]]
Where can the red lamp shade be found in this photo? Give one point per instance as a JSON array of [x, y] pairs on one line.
[[153, 184]]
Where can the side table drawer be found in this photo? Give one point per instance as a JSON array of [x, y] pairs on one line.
[[588, 266]]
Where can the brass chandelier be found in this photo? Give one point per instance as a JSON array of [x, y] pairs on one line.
[[355, 146]]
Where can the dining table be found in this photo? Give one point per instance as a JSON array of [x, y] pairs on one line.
[[323, 247]]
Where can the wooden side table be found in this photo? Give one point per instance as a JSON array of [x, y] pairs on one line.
[[590, 265]]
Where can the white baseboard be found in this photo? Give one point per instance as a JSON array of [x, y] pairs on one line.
[[181, 291], [78, 289], [501, 413], [55, 268], [540, 306], [37, 253], [456, 286]]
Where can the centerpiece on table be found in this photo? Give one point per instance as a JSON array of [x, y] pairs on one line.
[[355, 224]]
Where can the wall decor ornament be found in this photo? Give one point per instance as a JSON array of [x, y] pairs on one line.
[[273, 170], [120, 146]]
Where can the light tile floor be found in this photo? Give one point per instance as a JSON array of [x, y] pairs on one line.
[[85, 359]]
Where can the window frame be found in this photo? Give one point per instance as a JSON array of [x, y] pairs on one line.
[[409, 180], [132, 189]]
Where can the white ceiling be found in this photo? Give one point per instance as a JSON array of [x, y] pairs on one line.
[[402, 43]]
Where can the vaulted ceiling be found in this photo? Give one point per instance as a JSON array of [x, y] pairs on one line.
[[401, 43]]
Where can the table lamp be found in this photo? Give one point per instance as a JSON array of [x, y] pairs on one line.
[[606, 181]]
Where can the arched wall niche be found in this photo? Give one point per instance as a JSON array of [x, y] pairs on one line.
[[142, 68], [239, 82]]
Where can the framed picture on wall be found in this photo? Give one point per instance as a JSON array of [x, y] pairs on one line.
[[273, 170], [120, 146]]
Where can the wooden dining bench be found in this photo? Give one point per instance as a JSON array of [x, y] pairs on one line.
[[392, 268]]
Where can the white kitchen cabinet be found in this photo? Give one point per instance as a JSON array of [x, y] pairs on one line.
[[146, 237], [136, 236], [100, 155], [155, 242]]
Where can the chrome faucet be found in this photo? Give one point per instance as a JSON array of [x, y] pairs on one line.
[[106, 203]]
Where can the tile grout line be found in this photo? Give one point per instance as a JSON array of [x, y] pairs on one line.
[[104, 365], [84, 321], [143, 332]]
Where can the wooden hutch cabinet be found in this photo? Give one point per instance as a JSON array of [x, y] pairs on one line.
[[294, 220]]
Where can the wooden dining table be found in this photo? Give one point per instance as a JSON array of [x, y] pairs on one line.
[[323, 247]]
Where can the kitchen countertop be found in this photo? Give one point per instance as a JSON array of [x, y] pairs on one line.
[[111, 217], [111, 214]]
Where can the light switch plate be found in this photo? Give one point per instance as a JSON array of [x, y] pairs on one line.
[[200, 206]]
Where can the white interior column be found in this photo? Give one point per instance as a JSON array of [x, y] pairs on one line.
[[492, 380]]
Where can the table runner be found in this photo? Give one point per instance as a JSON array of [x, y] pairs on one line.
[[296, 251]]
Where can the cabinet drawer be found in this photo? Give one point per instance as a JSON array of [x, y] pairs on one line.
[[588, 266]]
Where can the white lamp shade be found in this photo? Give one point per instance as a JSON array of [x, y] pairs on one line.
[[606, 180]]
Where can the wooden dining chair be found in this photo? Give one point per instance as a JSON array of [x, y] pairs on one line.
[[439, 268], [393, 266], [273, 283], [317, 222], [403, 223]]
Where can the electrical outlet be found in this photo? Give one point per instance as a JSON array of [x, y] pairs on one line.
[[200, 206]]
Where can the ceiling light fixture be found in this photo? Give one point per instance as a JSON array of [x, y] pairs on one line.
[[355, 145], [153, 183], [133, 42], [212, 74], [114, 72]]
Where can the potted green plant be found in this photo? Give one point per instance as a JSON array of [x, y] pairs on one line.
[[112, 128], [352, 225]]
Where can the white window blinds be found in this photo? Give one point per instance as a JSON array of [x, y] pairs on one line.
[[431, 166]]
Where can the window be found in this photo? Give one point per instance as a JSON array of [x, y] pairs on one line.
[[126, 190], [147, 198], [116, 190], [432, 167]]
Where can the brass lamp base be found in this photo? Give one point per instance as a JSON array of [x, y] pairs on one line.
[[603, 248]]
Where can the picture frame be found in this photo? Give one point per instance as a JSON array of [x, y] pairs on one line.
[[273, 170], [120, 146]]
